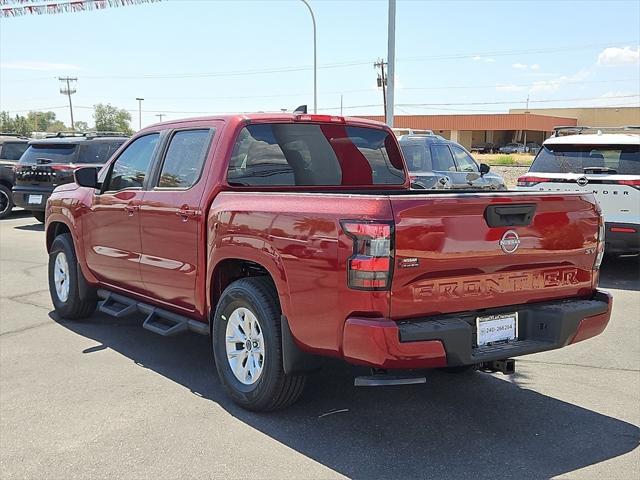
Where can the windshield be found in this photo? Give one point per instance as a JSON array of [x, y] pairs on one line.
[[311, 154], [49, 153], [620, 159], [13, 150]]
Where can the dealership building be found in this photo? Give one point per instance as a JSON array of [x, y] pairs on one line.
[[534, 125]]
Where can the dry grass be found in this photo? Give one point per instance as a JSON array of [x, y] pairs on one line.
[[515, 159]]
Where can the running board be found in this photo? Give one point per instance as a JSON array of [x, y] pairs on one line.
[[158, 320]]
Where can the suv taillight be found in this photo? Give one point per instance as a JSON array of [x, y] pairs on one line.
[[370, 266], [530, 181], [630, 183], [601, 244]]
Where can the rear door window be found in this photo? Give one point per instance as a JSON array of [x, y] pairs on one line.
[[184, 159], [442, 158], [295, 154], [608, 159], [13, 150], [464, 160], [132, 166]]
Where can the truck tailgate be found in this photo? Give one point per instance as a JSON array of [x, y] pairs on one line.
[[449, 259]]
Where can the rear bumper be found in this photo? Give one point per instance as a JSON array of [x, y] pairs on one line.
[[622, 238], [21, 197], [450, 340]]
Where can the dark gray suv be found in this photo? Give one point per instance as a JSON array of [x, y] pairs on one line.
[[436, 163], [11, 149]]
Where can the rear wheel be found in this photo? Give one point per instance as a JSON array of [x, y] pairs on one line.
[[64, 284], [247, 346], [38, 216], [6, 201]]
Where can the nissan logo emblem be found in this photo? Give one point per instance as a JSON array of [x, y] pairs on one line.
[[509, 242], [582, 181]]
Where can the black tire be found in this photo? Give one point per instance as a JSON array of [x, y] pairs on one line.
[[38, 216], [6, 201], [74, 307], [273, 389]]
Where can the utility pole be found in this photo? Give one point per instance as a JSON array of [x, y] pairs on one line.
[[391, 58], [160, 115], [526, 116], [340, 104], [382, 82], [315, 58], [139, 112], [68, 90]]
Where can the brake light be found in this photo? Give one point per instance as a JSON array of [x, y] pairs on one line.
[[600, 247], [304, 117], [622, 230], [530, 181], [631, 183], [63, 168], [370, 266]]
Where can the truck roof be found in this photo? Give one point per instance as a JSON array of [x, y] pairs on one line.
[[270, 117]]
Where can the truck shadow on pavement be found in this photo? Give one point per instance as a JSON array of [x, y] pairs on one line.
[[456, 426], [621, 273]]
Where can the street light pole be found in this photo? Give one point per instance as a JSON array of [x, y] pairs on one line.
[[315, 59], [139, 112], [391, 60]]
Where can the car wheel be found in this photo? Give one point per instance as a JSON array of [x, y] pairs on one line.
[[38, 216], [247, 347], [6, 201], [64, 281]]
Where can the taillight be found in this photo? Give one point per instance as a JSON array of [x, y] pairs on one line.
[[600, 247], [370, 266], [630, 183], [530, 181]]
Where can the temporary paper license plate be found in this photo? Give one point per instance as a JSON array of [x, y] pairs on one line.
[[497, 328], [35, 199]]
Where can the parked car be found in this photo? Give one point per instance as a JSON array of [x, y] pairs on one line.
[[484, 147], [11, 149], [51, 162], [606, 164], [533, 148], [513, 148], [437, 163], [289, 237]]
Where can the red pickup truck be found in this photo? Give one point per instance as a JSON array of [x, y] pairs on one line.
[[289, 237]]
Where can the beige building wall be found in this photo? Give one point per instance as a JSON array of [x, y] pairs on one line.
[[592, 117]]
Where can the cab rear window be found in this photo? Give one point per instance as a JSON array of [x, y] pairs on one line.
[[314, 155], [609, 159]]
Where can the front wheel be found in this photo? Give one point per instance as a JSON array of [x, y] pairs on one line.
[[64, 281], [247, 347], [6, 202]]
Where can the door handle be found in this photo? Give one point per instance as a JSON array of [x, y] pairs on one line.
[[131, 209], [186, 213]]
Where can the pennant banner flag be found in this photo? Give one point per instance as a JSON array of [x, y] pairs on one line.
[[17, 8]]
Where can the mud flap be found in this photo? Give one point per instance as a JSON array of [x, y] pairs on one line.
[[294, 360]]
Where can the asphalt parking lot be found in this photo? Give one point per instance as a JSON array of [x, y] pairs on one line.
[[107, 399]]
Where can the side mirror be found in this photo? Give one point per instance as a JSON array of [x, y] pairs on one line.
[[87, 177], [484, 168]]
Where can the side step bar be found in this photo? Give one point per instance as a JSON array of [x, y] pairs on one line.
[[160, 321], [380, 378]]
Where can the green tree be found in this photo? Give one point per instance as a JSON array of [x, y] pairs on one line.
[[81, 126], [19, 124], [57, 126], [111, 119], [41, 121]]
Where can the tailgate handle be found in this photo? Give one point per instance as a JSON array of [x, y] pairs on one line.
[[509, 216]]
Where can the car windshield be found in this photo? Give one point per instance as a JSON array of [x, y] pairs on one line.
[[13, 150], [49, 153], [621, 159]]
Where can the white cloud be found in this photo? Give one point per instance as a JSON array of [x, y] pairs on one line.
[[616, 56], [535, 66], [39, 66], [520, 66], [510, 88], [551, 85], [478, 58]]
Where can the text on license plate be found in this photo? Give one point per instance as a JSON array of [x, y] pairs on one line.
[[35, 199], [497, 328]]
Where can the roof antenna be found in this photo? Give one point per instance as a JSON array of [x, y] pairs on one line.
[[300, 109]]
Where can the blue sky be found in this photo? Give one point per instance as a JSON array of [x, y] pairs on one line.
[[188, 57]]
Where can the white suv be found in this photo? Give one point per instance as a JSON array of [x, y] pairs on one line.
[[607, 164]]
